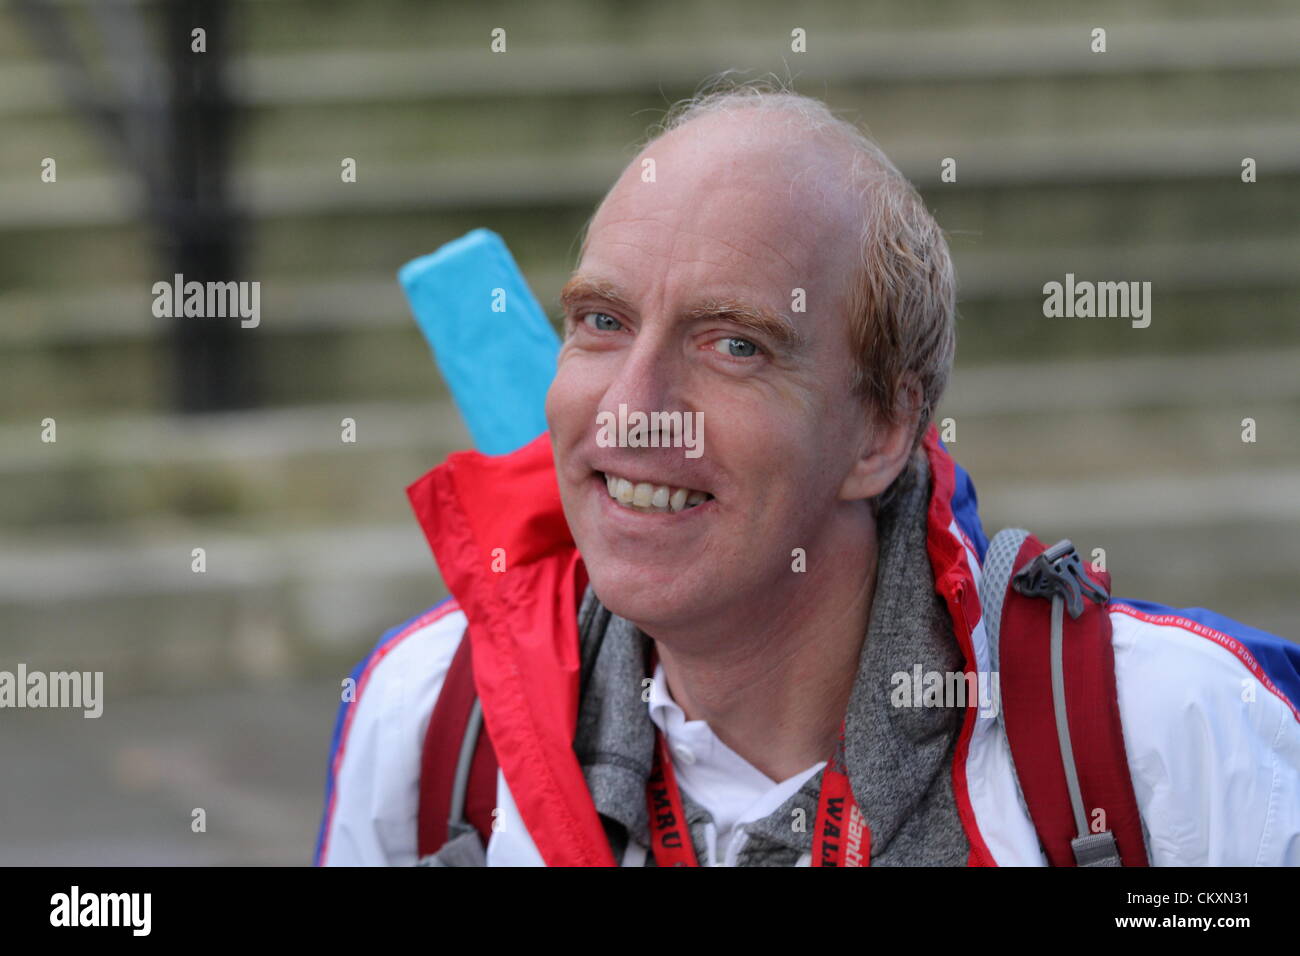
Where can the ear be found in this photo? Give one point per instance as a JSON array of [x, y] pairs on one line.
[[885, 447]]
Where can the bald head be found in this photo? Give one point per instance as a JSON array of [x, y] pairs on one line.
[[788, 162]]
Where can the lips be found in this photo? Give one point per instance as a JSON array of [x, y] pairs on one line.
[[649, 496]]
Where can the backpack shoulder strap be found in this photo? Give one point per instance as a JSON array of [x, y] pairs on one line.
[[458, 771], [1050, 641]]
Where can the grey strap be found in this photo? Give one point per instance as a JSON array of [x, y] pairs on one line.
[[464, 850], [457, 825], [1096, 849], [996, 574], [1062, 721], [464, 846]]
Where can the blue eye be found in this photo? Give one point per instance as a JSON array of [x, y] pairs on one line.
[[610, 324], [739, 348]]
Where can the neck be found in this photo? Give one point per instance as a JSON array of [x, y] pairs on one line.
[[778, 697]]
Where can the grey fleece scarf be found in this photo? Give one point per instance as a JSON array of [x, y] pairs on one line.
[[899, 758]]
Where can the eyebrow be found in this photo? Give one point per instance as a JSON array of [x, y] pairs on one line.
[[758, 319]]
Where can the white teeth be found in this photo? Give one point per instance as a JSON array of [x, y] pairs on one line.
[[644, 496]]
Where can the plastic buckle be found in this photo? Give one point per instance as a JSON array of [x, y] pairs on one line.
[[1059, 570]]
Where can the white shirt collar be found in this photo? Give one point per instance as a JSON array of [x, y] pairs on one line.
[[732, 789]]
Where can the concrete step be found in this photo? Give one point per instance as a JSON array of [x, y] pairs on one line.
[[534, 175], [273, 604], [289, 463], [547, 58]]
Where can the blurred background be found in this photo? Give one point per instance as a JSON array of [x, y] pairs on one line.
[[221, 688]]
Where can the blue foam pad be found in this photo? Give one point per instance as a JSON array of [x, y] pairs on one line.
[[498, 364]]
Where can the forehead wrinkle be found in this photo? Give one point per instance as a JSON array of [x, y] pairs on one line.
[[743, 252]]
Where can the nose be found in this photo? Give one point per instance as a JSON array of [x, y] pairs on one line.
[[648, 376]]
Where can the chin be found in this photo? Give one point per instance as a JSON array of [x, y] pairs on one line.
[[646, 597]]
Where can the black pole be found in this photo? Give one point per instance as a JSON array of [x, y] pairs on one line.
[[200, 230]]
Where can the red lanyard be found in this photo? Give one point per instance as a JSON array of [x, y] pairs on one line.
[[840, 835]]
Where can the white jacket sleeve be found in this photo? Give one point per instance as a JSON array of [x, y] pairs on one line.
[[1213, 747], [372, 794]]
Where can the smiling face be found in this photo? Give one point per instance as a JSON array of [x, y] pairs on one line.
[[684, 301]]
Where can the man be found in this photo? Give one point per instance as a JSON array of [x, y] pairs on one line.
[[714, 635]]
